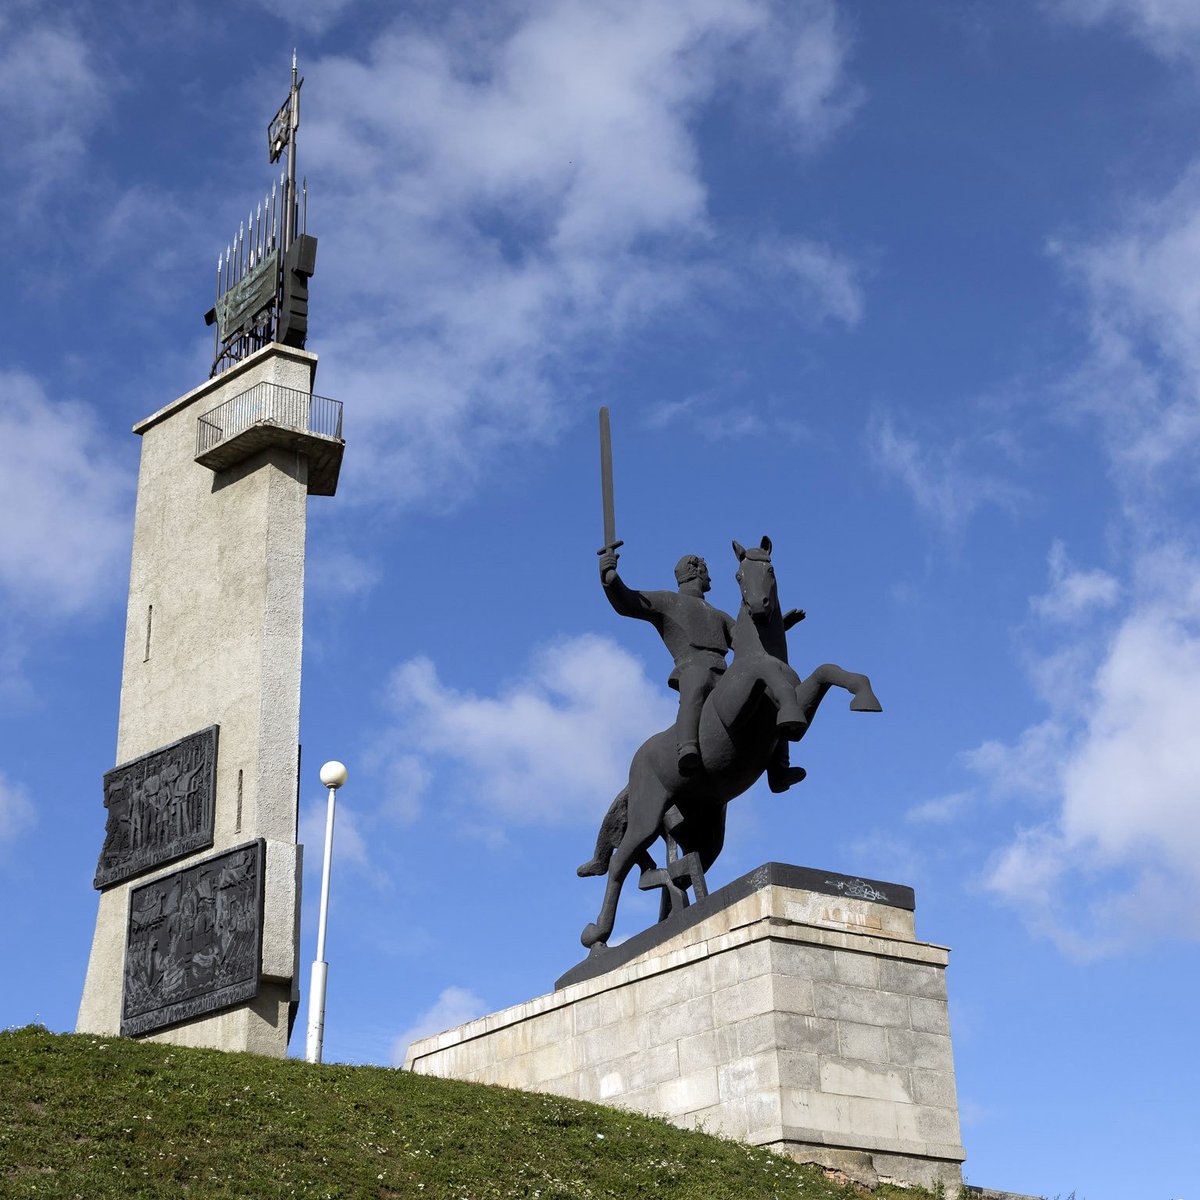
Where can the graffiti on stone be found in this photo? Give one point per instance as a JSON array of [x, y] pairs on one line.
[[860, 889], [194, 944], [160, 807]]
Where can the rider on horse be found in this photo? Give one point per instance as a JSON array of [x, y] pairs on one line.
[[697, 633]]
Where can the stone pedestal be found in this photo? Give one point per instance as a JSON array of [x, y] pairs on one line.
[[213, 639], [792, 1009]]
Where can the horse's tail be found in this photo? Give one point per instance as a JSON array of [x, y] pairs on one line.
[[612, 830]]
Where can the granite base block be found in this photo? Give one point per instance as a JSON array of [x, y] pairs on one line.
[[813, 1024]]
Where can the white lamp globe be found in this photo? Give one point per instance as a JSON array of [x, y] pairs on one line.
[[333, 774]]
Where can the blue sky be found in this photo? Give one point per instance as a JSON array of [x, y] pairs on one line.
[[912, 288]]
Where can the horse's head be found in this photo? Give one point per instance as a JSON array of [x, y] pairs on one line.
[[756, 578]]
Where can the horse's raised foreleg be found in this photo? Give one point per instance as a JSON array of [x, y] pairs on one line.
[[782, 685], [813, 688]]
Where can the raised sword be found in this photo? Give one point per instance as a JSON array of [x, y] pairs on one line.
[[606, 487]]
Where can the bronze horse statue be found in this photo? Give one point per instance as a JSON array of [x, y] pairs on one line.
[[757, 702]]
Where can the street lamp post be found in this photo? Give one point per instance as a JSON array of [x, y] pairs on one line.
[[333, 775]]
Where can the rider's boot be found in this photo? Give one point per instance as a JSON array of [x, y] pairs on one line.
[[779, 779], [780, 773]]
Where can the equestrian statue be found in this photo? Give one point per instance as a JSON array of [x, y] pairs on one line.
[[735, 720]]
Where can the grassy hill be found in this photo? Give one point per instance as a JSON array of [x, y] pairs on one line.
[[96, 1118]]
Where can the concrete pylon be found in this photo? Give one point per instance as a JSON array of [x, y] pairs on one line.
[[197, 935]]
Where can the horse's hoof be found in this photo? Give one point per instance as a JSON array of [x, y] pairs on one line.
[[792, 731], [865, 702], [594, 866], [591, 936]]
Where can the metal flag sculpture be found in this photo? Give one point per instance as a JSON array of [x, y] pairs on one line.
[[262, 277]]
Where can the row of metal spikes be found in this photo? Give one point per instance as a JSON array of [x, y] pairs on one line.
[[258, 236]]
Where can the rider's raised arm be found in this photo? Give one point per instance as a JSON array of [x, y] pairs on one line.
[[626, 600], [629, 602]]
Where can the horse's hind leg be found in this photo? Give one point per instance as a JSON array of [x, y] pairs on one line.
[[640, 831], [609, 837]]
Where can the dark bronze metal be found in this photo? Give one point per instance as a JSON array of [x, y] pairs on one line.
[[194, 943], [299, 266], [279, 131], [734, 723], [606, 487], [262, 284], [160, 807], [249, 302]]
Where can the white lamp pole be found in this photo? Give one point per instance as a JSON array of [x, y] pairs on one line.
[[333, 775]]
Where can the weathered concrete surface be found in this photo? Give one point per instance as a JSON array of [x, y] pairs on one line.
[[811, 1024], [219, 558]]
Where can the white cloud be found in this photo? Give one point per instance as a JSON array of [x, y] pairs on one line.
[[16, 810], [1028, 767], [407, 779], [716, 417], [1121, 856], [945, 481], [454, 1006], [349, 845], [668, 412], [336, 572], [529, 177], [1171, 28], [313, 16], [64, 541], [1073, 593], [51, 97], [148, 234], [1141, 287], [882, 855], [801, 50], [1114, 855], [940, 809], [553, 746], [823, 283]]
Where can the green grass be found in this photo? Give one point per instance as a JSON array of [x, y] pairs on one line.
[[95, 1118]]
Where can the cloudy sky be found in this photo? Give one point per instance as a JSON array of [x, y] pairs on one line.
[[912, 288]]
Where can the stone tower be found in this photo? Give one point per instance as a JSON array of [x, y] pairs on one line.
[[213, 642], [197, 934]]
